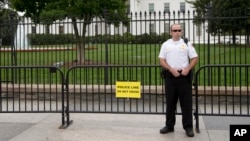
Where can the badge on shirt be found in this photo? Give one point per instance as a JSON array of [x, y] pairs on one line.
[[183, 46]]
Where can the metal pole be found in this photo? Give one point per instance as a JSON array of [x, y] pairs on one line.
[[208, 55], [13, 24], [106, 48], [209, 8], [106, 55]]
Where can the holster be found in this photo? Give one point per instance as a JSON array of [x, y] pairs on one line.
[[165, 73]]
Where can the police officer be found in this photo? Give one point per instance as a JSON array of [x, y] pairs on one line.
[[178, 59]]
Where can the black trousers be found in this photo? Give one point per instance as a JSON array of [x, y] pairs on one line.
[[179, 88]]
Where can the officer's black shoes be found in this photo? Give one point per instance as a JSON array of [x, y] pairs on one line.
[[166, 130], [189, 132]]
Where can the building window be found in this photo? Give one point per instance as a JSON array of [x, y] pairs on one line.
[[116, 30], [198, 30], [61, 29], [183, 28], [166, 28], [128, 29], [96, 29], [47, 31], [33, 29], [128, 9], [182, 7], [151, 8], [108, 28], [166, 7], [152, 28]]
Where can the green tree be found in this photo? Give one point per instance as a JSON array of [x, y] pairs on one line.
[[47, 11], [1, 4], [227, 16], [8, 23]]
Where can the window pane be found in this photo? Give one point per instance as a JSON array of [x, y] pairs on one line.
[[152, 28], [47, 29], [61, 29], [166, 28], [198, 30], [183, 28], [33, 29], [182, 7], [151, 7], [166, 7]]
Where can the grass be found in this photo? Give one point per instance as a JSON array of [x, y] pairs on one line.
[[133, 54]]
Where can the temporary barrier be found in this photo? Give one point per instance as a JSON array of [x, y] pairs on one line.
[[222, 90], [32, 90]]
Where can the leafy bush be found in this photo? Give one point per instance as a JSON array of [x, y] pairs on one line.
[[126, 38], [51, 39]]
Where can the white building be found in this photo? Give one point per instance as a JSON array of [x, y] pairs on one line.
[[184, 15], [147, 16], [158, 7]]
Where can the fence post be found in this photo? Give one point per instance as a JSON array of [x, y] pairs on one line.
[[196, 114], [65, 109]]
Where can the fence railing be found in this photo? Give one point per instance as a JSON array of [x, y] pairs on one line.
[[32, 90], [220, 90], [225, 90], [137, 44], [90, 91]]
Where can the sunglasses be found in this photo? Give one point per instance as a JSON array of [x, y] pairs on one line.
[[179, 30]]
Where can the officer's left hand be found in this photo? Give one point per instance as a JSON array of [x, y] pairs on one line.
[[185, 72]]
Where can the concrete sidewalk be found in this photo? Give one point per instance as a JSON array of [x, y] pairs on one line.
[[108, 127]]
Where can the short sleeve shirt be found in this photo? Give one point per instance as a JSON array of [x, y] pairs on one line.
[[177, 53]]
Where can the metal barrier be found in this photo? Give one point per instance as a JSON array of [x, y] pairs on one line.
[[91, 89], [32, 90], [222, 90]]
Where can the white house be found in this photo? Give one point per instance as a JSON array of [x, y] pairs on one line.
[[158, 7], [158, 22], [147, 16]]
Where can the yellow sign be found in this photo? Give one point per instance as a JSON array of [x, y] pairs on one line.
[[125, 89]]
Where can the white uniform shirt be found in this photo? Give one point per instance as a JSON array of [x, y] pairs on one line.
[[177, 53]]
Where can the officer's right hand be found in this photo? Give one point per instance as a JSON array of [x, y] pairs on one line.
[[175, 72]]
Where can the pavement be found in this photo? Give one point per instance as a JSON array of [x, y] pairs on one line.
[[109, 127]]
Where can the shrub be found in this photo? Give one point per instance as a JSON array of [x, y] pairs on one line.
[[50, 39]]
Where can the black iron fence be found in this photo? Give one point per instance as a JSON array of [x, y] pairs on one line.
[[30, 44], [114, 54]]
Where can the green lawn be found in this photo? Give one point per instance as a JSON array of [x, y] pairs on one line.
[[134, 54]]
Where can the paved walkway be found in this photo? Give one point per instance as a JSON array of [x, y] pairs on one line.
[[108, 127]]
